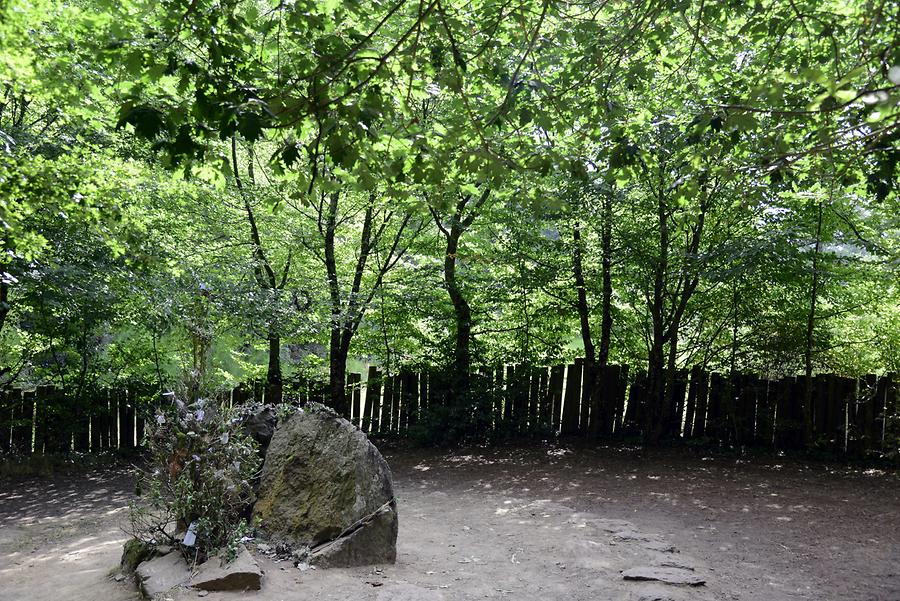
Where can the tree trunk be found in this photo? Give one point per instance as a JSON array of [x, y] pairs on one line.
[[265, 278], [274, 386], [606, 320], [337, 376], [810, 331], [462, 356], [656, 385], [337, 359], [581, 303]]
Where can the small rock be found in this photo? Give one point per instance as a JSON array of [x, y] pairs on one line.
[[674, 563], [373, 542], [242, 574], [407, 592], [654, 593], [676, 576], [202, 593], [161, 574]]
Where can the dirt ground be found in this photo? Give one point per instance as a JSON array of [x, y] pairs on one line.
[[536, 524]]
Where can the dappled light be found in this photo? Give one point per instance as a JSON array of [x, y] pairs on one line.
[[446, 300]]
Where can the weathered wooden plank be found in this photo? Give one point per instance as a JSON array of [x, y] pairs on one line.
[[702, 410], [497, 398], [145, 409], [387, 405], [373, 401], [545, 402], [395, 404], [619, 399], [520, 399], [354, 393], [81, 440], [680, 384], [716, 423], [691, 403], [632, 423], [534, 392], [746, 407], [891, 425], [409, 407], [40, 401], [126, 429], [423, 392], [789, 420], [6, 417], [572, 401], [588, 389], [557, 375], [869, 411], [22, 423]]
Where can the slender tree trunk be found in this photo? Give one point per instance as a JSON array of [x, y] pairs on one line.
[[4, 303], [810, 331], [656, 384], [606, 320], [265, 278], [668, 426], [581, 304], [462, 355], [337, 377], [274, 385], [337, 359]]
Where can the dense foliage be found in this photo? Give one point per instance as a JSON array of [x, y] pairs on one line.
[[198, 482], [212, 192]]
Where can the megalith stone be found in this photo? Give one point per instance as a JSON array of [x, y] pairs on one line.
[[240, 574], [324, 482]]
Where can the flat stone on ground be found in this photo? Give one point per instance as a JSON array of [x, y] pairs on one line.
[[372, 543], [408, 592], [161, 574], [242, 574], [677, 576]]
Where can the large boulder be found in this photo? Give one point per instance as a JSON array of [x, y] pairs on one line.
[[326, 487]]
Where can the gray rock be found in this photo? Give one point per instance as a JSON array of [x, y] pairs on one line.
[[323, 480], [259, 423], [134, 552], [648, 541], [658, 593], [675, 576], [408, 592], [242, 574], [161, 574], [373, 543]]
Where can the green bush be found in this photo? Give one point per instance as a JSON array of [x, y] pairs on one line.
[[199, 479]]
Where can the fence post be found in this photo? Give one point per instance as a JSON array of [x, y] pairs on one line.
[[557, 374], [373, 401], [408, 406], [6, 413], [571, 405], [634, 412]]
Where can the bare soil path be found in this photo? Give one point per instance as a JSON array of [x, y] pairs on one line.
[[528, 524]]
